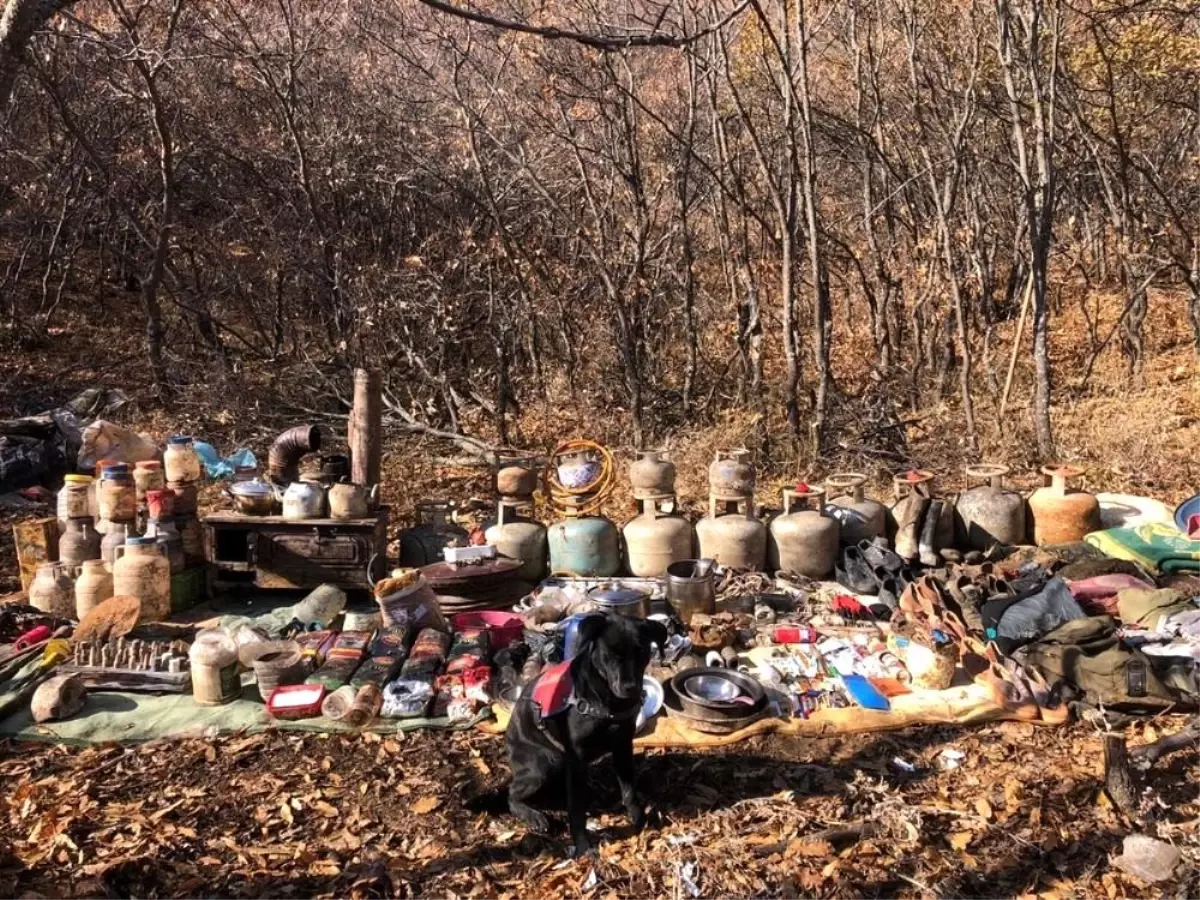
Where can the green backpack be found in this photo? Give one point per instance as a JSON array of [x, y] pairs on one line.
[[1088, 654]]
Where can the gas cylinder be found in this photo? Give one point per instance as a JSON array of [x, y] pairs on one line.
[[519, 538], [860, 517], [731, 475], [803, 538], [990, 514], [651, 476], [658, 537], [516, 475], [584, 545], [731, 534], [423, 543], [1061, 515]]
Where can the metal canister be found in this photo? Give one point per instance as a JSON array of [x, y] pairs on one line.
[[990, 514], [690, 588], [861, 517], [588, 546], [1061, 515], [803, 540], [732, 535], [657, 538]]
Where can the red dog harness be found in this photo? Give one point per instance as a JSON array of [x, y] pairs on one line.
[[554, 694], [554, 690]]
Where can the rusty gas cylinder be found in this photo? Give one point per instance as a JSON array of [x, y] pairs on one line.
[[651, 476], [1061, 515], [731, 475]]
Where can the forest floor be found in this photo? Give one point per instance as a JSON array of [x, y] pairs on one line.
[[286, 815]]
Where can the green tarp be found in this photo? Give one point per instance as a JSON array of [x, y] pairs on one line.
[[129, 718]]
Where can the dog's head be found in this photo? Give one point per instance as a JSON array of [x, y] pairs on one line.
[[619, 649]]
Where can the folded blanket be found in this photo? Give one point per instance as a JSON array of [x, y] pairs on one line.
[[1098, 594], [1154, 546]]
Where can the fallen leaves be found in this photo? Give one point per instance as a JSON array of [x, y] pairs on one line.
[[425, 805]]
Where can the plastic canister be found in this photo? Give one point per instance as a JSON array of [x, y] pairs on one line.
[[74, 500], [116, 496], [180, 460], [215, 678], [148, 476]]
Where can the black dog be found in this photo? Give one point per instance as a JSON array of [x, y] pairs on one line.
[[551, 748]]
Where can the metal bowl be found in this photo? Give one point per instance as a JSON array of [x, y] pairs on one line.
[[624, 601], [711, 688], [750, 695]]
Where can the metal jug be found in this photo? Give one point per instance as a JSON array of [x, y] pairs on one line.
[[351, 501], [304, 500]]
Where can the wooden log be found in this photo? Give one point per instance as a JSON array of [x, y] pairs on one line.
[[365, 433], [1119, 782]]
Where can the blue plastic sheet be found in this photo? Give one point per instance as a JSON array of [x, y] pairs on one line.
[[217, 467]]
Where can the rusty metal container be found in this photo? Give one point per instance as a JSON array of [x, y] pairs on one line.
[[519, 538], [658, 537], [588, 546], [803, 538], [990, 514], [860, 517], [422, 544], [1059, 514], [651, 476], [731, 535], [731, 475]]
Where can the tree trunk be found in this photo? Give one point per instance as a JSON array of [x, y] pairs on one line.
[[19, 21]]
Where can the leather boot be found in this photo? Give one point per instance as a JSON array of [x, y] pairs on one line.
[[927, 545]]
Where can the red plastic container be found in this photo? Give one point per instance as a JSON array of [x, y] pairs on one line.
[[503, 628], [296, 701]]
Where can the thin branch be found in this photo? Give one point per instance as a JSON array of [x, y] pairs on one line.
[[602, 42]]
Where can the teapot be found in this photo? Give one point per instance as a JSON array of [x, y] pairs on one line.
[[351, 501], [304, 500]]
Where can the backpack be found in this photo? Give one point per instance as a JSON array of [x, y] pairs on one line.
[[1088, 654]]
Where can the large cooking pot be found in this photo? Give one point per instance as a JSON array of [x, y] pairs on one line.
[[623, 601], [252, 498]]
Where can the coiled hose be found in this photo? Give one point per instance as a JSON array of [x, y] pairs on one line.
[[564, 499]]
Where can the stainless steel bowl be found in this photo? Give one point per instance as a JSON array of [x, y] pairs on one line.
[[712, 689]]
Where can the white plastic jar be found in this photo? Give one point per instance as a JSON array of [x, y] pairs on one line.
[[181, 460]]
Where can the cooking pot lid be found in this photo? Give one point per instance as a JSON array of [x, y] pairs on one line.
[[250, 488], [615, 595]]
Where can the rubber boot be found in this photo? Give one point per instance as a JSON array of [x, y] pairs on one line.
[[927, 546]]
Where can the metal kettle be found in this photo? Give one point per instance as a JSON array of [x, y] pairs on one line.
[[304, 500], [351, 501]]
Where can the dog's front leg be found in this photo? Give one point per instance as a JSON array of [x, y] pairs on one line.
[[626, 778], [577, 808]]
